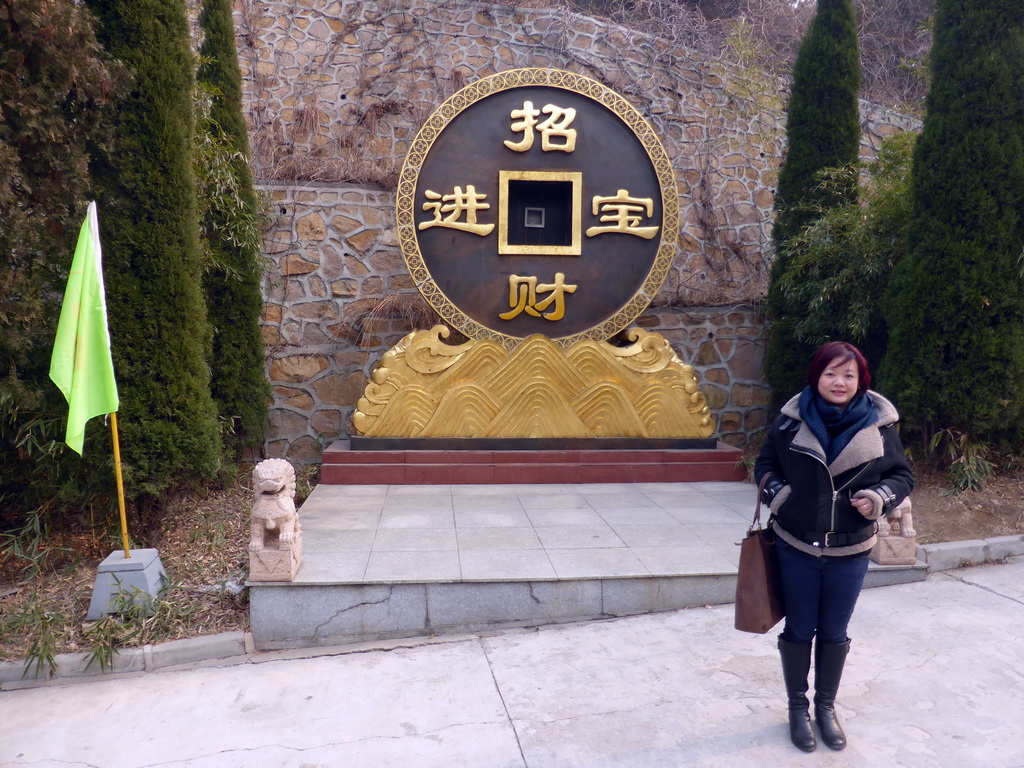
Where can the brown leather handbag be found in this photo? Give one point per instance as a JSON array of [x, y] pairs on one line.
[[758, 594]]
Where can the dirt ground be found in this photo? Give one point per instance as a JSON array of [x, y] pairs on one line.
[[205, 554], [998, 510]]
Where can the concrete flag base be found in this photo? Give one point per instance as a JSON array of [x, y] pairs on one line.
[[142, 575]]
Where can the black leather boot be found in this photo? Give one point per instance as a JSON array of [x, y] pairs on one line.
[[829, 659], [796, 663]]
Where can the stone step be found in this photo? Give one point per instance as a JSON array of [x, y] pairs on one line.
[[344, 464]]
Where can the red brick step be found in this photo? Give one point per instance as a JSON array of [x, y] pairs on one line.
[[345, 465]]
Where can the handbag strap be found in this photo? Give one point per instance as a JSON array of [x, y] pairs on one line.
[[756, 522]]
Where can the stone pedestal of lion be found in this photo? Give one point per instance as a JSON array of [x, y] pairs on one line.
[[897, 539], [275, 547]]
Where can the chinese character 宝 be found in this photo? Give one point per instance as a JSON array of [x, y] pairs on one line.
[[556, 126], [623, 213], [522, 297], [457, 205]]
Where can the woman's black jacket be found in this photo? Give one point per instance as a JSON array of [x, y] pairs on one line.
[[812, 508]]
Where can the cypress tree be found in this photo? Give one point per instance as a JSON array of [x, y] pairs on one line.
[[55, 87], [956, 302], [232, 280], [52, 84], [822, 131], [150, 234]]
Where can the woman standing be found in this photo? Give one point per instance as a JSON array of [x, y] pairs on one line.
[[836, 466]]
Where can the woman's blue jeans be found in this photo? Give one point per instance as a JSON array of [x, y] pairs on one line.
[[819, 593]]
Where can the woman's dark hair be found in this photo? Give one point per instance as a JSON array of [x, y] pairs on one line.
[[838, 352]]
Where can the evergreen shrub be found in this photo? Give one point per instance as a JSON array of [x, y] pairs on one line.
[[822, 131], [150, 234], [230, 228], [56, 88], [956, 303], [840, 264]]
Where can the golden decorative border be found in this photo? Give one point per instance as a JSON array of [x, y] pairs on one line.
[[517, 78], [575, 248]]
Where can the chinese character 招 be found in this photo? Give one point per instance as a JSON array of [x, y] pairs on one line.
[[522, 297], [556, 126], [456, 205], [623, 213]]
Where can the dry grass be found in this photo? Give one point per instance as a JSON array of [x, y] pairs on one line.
[[205, 554]]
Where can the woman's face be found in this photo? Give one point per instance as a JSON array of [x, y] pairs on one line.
[[838, 383]]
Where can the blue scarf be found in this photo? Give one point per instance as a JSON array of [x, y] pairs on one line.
[[835, 427]]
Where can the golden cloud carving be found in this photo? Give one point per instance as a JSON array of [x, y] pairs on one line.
[[425, 387]]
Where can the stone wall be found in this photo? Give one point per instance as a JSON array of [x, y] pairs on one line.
[[334, 94], [332, 251], [726, 346]]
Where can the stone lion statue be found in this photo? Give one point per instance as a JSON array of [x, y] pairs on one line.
[[275, 525], [899, 523]]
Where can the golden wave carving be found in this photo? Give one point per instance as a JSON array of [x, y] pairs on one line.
[[607, 409], [539, 410], [424, 387], [533, 360], [408, 412], [467, 410], [600, 365]]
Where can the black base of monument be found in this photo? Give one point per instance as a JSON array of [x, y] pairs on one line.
[[529, 443]]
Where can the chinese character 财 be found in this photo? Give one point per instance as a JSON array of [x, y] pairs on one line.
[[623, 214], [456, 205], [555, 126], [522, 297]]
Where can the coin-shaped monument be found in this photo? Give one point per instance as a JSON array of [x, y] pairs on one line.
[[538, 215]]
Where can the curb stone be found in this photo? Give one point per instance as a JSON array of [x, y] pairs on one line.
[[947, 555], [1003, 547], [239, 646], [72, 667]]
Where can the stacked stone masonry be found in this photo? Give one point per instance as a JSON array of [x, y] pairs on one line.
[[334, 93]]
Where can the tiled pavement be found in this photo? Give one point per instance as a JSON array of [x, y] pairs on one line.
[[373, 534]]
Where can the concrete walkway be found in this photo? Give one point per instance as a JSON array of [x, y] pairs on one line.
[[935, 679]]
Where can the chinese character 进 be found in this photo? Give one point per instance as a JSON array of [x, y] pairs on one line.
[[522, 297], [623, 213], [455, 205], [556, 126]]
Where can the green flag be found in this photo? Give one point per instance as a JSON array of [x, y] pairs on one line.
[[81, 365]]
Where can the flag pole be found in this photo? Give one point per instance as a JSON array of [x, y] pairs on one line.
[[120, 485], [82, 368]]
